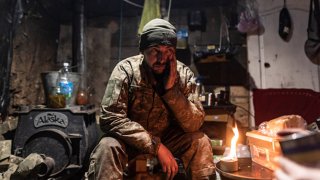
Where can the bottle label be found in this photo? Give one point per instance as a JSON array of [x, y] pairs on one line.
[[66, 88]]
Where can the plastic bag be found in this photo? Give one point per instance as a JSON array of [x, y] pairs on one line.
[[272, 127], [249, 19]]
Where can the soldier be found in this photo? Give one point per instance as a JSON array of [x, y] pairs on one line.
[[149, 108]]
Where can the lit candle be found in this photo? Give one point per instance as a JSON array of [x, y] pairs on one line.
[[230, 162]]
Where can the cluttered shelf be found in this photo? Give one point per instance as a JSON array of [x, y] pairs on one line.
[[219, 113], [215, 125]]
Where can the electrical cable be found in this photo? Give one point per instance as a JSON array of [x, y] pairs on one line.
[[319, 76], [260, 58], [278, 8], [245, 110], [169, 9], [133, 4], [259, 55], [120, 31]]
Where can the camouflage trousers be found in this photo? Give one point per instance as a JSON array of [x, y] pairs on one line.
[[23, 168], [110, 157]]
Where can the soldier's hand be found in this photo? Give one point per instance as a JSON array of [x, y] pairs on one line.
[[290, 170], [171, 78], [167, 161]]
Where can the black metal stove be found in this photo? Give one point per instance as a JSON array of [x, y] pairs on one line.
[[66, 135]]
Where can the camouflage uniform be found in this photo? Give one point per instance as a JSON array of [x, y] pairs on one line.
[[23, 168], [135, 118]]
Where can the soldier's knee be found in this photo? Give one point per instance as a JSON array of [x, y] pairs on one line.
[[109, 142], [104, 152], [196, 136], [105, 146], [200, 138]]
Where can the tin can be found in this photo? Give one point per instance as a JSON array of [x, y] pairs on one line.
[[210, 99]]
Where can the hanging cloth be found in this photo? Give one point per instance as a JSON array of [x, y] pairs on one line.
[[285, 29], [312, 45], [151, 10]]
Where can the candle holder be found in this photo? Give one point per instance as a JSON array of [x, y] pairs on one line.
[[229, 165]]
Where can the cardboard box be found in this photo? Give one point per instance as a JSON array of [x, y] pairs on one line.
[[264, 149]]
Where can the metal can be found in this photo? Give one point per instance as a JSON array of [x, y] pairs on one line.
[[209, 99]]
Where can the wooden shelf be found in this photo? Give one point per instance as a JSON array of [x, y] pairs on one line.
[[217, 118], [228, 108], [219, 113], [216, 123]]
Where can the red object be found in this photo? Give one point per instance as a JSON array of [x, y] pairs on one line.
[[82, 97], [273, 103]]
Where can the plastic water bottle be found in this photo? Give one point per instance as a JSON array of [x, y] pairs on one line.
[[64, 83]]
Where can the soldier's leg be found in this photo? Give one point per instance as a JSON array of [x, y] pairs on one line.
[[108, 160], [199, 156], [194, 149]]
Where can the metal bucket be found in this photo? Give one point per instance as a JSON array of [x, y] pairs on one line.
[[49, 80]]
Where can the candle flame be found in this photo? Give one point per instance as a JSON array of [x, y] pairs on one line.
[[233, 148]]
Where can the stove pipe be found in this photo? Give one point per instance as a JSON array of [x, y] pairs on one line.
[[78, 47]]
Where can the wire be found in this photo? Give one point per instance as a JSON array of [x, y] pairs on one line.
[[318, 75], [120, 32], [245, 110], [169, 9], [278, 8], [133, 4], [260, 58]]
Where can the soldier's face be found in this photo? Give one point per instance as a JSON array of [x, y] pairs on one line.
[[158, 57]]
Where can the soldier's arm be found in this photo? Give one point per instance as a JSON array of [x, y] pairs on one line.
[[114, 119], [187, 110]]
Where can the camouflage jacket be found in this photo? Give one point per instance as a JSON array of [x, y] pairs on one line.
[[132, 110]]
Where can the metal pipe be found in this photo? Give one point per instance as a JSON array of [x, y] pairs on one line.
[[46, 167], [78, 40]]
